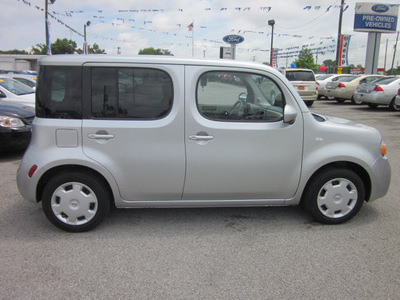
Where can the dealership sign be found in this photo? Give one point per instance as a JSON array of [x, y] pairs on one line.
[[375, 17], [233, 39]]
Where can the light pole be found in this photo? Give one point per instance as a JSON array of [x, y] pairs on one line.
[[272, 23], [46, 20], [85, 46]]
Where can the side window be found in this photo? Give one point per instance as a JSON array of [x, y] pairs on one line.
[[133, 93], [59, 92], [239, 96]]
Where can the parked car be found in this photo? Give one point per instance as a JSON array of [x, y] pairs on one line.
[[381, 92], [175, 138], [344, 89], [29, 80], [397, 99], [15, 125], [323, 80], [304, 82], [16, 92]]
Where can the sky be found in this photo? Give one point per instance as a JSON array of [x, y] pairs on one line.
[[128, 26]]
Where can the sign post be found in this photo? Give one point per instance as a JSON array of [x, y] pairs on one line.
[[375, 19], [233, 40]]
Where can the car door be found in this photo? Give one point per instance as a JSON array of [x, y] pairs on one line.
[[237, 145], [133, 126]]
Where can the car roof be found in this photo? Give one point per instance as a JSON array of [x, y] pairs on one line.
[[79, 60]]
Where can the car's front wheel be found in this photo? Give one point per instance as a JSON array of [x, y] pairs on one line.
[[335, 196], [75, 201]]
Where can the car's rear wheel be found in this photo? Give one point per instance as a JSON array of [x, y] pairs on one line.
[[393, 105], [334, 196], [356, 101], [75, 201]]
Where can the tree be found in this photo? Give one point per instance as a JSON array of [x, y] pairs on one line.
[[65, 46], [95, 49], [330, 66], [15, 51], [152, 51], [306, 60]]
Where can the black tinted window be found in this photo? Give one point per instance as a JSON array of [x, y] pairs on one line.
[[59, 92], [300, 76], [135, 93]]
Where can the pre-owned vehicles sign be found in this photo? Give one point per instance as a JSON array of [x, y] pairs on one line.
[[375, 17]]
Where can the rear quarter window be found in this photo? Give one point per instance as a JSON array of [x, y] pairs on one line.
[[59, 92]]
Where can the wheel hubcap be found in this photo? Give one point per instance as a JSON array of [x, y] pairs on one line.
[[337, 198], [74, 203]]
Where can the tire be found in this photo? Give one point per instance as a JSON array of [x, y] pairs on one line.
[[75, 201], [340, 100], [372, 105], [334, 196], [393, 106], [356, 102]]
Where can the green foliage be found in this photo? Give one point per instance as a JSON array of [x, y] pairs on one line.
[[15, 51], [152, 51], [330, 66], [306, 60], [65, 46]]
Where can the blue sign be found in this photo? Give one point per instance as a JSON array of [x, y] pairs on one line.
[[373, 17], [375, 23], [233, 39], [380, 8]]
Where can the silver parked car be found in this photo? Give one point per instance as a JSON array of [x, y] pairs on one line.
[[381, 92], [165, 132]]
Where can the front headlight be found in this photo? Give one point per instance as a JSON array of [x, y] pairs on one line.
[[11, 122]]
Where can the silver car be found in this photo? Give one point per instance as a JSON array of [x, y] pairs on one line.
[[381, 92], [165, 132]]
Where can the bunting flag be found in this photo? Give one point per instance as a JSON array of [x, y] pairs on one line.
[[191, 26]]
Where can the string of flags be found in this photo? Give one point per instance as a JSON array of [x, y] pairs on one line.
[[101, 16]]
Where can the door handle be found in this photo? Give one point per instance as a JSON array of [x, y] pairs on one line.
[[201, 138], [96, 136]]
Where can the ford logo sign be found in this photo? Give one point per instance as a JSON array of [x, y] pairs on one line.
[[380, 8], [233, 39]]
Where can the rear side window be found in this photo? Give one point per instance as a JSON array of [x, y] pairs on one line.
[[59, 92], [300, 76], [132, 93]]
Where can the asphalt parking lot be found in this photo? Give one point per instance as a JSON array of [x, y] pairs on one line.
[[223, 253]]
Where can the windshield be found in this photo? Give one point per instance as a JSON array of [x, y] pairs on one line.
[[348, 79], [15, 87], [323, 77], [383, 81]]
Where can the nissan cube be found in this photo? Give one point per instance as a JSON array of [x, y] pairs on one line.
[[166, 132]]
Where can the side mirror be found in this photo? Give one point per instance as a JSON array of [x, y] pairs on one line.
[[289, 114]]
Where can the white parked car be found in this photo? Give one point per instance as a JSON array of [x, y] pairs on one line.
[[29, 80], [381, 92], [344, 89], [324, 79], [14, 91], [136, 132]]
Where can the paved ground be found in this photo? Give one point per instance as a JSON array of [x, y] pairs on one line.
[[233, 253]]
